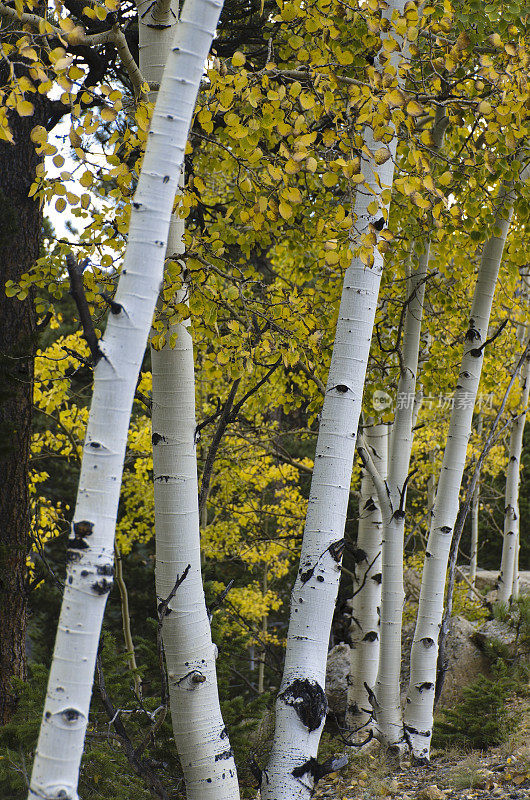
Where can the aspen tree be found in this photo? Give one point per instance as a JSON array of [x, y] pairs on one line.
[[301, 704], [200, 734], [508, 577], [90, 552], [366, 602], [418, 716]]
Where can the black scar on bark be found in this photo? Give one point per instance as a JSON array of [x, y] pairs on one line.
[[428, 555], [378, 577], [156, 438], [72, 557], [341, 388], [336, 549], [305, 576], [165, 478], [427, 641], [318, 771], [425, 685], [410, 729], [445, 529], [224, 755], [370, 505], [105, 569], [472, 334], [81, 529], [102, 587], [308, 700], [371, 636], [71, 714]]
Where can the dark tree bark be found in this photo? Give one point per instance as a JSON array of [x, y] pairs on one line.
[[20, 227]]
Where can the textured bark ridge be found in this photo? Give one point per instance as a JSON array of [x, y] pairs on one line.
[[60, 746], [20, 226]]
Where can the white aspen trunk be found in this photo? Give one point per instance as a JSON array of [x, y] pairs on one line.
[[198, 728], [91, 544], [200, 735], [366, 603], [389, 716], [418, 716], [301, 704], [473, 548], [508, 578]]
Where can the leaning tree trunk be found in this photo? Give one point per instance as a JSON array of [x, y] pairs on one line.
[[198, 728], [90, 552], [366, 602], [20, 227], [418, 716], [301, 704]]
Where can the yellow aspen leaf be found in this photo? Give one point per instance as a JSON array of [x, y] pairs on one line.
[[414, 109], [511, 141], [85, 201], [495, 40], [428, 183], [60, 204], [306, 101], [24, 108], [285, 210], [62, 63], [108, 114], [510, 49], [484, 107], [381, 155], [58, 160], [395, 98], [66, 24], [72, 198], [329, 179], [238, 59], [311, 164], [445, 179], [101, 13], [30, 53], [39, 134], [291, 167]]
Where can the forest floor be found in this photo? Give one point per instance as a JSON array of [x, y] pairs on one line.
[[500, 772]]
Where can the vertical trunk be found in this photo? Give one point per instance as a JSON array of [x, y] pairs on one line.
[[387, 687], [475, 505], [420, 696], [200, 735], [508, 575], [365, 625], [20, 226], [90, 568], [301, 705]]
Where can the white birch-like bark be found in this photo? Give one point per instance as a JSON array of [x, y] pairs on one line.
[[301, 705], [418, 716], [508, 582], [473, 548], [198, 728], [366, 602], [91, 551], [200, 735], [387, 687]]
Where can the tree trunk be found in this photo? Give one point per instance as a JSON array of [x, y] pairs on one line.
[[473, 548], [508, 579], [366, 603], [20, 226], [301, 704], [424, 654], [90, 568]]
